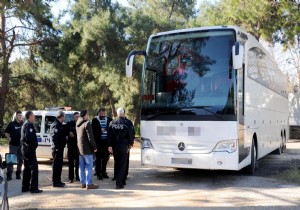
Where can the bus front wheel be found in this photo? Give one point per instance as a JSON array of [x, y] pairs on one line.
[[251, 168]]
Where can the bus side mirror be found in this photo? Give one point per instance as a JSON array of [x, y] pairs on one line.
[[129, 61], [129, 64], [237, 55]]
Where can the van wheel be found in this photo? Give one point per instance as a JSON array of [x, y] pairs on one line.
[[251, 168]]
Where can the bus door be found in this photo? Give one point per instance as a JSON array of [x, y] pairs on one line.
[[243, 150]]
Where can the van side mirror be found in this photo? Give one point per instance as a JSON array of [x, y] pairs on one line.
[[129, 61], [237, 55]]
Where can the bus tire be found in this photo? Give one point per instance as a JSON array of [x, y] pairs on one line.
[[250, 169], [280, 148]]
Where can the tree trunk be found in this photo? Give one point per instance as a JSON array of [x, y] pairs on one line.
[[5, 70]]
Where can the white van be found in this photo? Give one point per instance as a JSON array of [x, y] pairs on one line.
[[43, 120]]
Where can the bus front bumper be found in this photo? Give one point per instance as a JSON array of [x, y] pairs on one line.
[[210, 161]]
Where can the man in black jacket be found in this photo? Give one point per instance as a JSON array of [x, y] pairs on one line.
[[29, 144], [120, 140], [13, 134], [73, 153], [59, 140], [100, 126]]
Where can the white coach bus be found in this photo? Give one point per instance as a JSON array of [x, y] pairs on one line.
[[212, 98]]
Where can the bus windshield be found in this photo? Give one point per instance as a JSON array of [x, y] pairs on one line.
[[190, 70]]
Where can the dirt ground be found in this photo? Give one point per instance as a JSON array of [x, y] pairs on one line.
[[167, 188]]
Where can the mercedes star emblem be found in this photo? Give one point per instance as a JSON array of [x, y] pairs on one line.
[[181, 146]]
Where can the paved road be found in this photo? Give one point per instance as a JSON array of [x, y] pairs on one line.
[[164, 188]]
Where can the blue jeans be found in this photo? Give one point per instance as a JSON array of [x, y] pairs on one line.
[[86, 169]]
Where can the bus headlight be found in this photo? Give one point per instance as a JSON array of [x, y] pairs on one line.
[[146, 143], [229, 146]]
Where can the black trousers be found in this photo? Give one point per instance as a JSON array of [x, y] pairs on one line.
[[57, 165], [102, 156], [120, 153], [30, 171], [73, 161], [127, 165]]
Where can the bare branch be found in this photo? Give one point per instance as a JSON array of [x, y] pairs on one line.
[[22, 27]]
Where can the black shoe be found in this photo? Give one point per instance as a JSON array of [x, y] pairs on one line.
[[124, 182], [58, 185], [105, 176], [8, 178], [36, 191], [25, 190], [71, 181], [119, 187], [77, 179], [95, 174], [99, 178], [114, 179], [62, 183]]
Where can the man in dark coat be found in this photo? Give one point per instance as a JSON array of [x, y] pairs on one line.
[[29, 144], [59, 140], [120, 140], [100, 127], [73, 153]]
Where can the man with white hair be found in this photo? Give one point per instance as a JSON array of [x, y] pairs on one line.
[[120, 139]]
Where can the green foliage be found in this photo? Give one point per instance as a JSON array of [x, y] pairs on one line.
[[274, 21], [80, 63]]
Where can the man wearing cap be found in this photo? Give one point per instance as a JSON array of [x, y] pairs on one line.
[[100, 126], [58, 140], [120, 140]]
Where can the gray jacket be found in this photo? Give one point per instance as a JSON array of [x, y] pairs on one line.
[[85, 138]]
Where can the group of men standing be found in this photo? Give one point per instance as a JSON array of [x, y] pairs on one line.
[[86, 141]]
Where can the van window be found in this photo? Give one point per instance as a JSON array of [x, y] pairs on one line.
[[48, 121], [68, 118], [38, 123]]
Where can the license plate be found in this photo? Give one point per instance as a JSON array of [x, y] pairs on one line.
[[39, 139], [185, 161]]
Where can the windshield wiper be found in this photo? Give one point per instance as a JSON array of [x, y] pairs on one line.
[[160, 113], [206, 109]]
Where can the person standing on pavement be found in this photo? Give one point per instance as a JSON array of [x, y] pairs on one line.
[[127, 165], [73, 153], [100, 126], [58, 140], [128, 156], [29, 144], [13, 134], [120, 140], [87, 147]]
